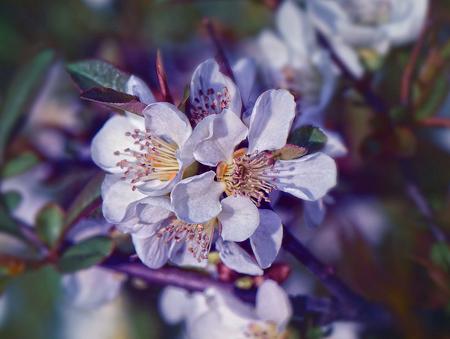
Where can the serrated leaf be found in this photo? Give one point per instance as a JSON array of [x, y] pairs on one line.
[[310, 137], [11, 200], [97, 73], [87, 198], [19, 165], [114, 99], [21, 94], [85, 254], [50, 223]]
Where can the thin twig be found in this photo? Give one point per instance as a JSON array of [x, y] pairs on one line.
[[162, 78], [220, 51], [369, 96], [435, 122], [406, 85], [353, 304], [194, 281]]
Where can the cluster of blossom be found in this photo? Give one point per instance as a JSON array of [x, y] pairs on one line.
[[184, 182]]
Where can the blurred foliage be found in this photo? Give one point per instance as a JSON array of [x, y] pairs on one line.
[[408, 272]]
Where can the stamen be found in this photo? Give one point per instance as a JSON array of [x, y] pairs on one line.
[[198, 237], [249, 175], [211, 102], [153, 159]]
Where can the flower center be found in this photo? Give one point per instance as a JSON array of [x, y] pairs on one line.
[[249, 175], [211, 102], [264, 330], [368, 12], [198, 237], [154, 159]]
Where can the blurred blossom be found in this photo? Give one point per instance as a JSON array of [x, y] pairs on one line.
[[215, 314], [107, 322], [95, 286], [32, 191], [98, 4], [359, 217], [345, 330], [293, 59], [361, 27]]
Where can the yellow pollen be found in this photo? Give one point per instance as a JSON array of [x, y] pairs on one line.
[[153, 159], [264, 330], [250, 175]]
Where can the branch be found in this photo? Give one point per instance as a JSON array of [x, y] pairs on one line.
[[220, 52], [353, 305], [435, 122], [327, 310], [361, 86]]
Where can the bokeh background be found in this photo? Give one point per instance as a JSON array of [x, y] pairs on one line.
[[374, 234]]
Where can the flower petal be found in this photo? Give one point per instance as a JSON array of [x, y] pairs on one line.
[[407, 22], [233, 256], [244, 71], [173, 304], [167, 121], [271, 120], [272, 304], [151, 249], [196, 199], [92, 287], [314, 212], [239, 218], [136, 86], [207, 76], [266, 241], [226, 131], [308, 178], [274, 51], [117, 196], [334, 147], [295, 28], [111, 138]]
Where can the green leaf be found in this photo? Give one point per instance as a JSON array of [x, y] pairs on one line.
[[114, 99], [85, 254], [7, 222], [97, 73], [86, 199], [21, 94], [310, 137], [19, 165], [49, 223], [11, 200], [440, 255]]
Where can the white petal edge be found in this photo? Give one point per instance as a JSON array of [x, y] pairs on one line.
[[272, 304], [226, 131], [308, 178], [239, 218], [196, 199], [234, 257], [111, 138], [271, 120], [136, 86], [166, 120], [117, 196], [266, 241]]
